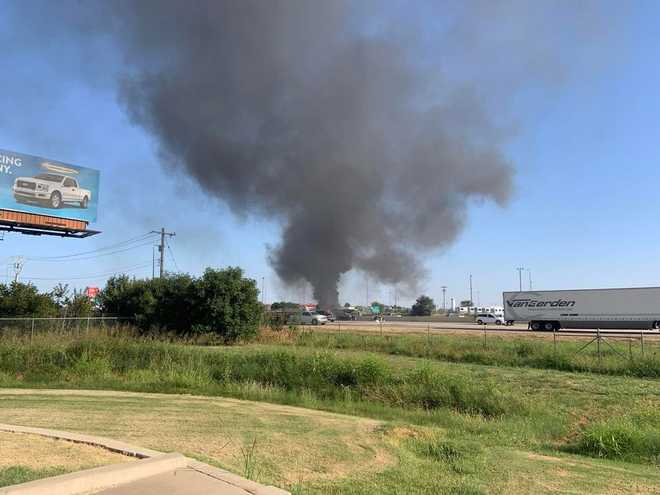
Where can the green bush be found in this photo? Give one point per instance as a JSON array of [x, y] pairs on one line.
[[220, 302], [17, 299], [621, 438]]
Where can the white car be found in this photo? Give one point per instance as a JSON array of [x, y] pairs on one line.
[[53, 190], [486, 318], [309, 318]]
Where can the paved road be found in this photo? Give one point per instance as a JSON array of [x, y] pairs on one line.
[[412, 327]]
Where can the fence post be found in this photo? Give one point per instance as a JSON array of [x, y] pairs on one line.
[[88, 325], [598, 343], [554, 341], [340, 327], [32, 331], [484, 336], [381, 327], [641, 334], [630, 349]]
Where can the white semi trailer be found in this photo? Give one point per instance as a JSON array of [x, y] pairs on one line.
[[585, 308]]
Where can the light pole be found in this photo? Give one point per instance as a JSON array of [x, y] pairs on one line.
[[471, 301], [520, 270], [529, 272], [444, 291]]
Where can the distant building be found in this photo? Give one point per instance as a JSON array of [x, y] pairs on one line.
[[496, 310]]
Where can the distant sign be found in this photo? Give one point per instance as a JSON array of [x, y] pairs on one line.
[[92, 292], [375, 308], [33, 184]]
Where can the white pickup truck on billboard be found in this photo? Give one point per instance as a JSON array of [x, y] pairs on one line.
[[32, 184], [630, 308], [51, 190]]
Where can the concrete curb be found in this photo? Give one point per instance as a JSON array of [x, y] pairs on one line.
[[105, 443], [152, 463], [235, 480], [100, 478]]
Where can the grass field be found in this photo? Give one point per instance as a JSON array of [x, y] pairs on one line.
[[623, 356], [374, 421], [29, 457]]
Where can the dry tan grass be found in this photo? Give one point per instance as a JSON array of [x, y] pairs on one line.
[[537, 473], [37, 452], [292, 444]]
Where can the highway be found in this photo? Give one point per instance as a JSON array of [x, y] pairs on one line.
[[469, 328]]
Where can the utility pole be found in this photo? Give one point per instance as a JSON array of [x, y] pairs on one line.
[[17, 265], [444, 291], [520, 270], [471, 301], [161, 247]]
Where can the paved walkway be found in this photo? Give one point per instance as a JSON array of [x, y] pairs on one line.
[[178, 482], [155, 473]]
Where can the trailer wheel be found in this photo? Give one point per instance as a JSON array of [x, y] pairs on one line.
[[656, 325], [535, 325], [480, 322], [549, 326]]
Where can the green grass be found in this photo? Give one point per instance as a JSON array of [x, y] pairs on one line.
[[630, 438], [452, 427], [14, 475], [323, 375], [622, 358]]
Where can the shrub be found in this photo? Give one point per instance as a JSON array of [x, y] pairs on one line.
[[17, 299], [620, 438], [221, 303]]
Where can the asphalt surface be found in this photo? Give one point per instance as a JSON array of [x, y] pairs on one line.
[[394, 327]]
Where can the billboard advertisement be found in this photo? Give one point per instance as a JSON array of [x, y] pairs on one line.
[[32, 184]]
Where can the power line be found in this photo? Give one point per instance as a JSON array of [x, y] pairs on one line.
[[95, 275], [100, 255], [169, 249], [125, 243]]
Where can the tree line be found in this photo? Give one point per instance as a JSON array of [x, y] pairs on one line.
[[221, 302]]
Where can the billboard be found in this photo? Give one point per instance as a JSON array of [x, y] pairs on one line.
[[32, 184]]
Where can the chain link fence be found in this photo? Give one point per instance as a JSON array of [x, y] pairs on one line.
[[65, 326]]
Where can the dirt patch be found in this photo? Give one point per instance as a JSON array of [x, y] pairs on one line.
[[540, 457], [37, 452]]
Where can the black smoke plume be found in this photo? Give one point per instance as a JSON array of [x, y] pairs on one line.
[[363, 128]]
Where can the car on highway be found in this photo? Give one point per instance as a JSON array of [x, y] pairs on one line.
[[328, 314], [486, 318], [308, 318]]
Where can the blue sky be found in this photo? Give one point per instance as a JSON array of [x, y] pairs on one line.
[[583, 215]]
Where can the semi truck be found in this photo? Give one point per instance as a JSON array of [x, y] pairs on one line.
[[637, 308]]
